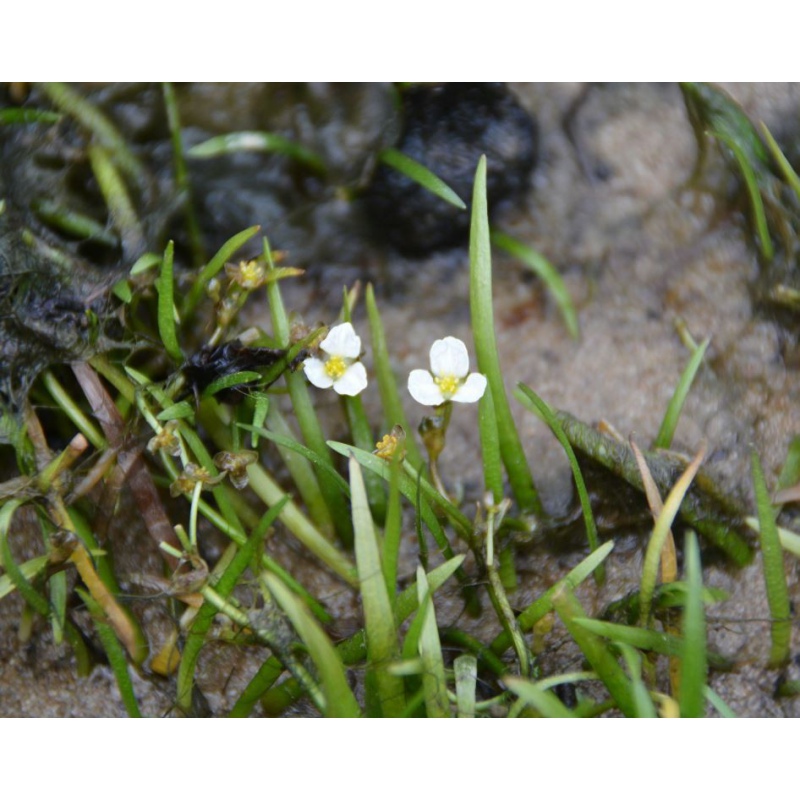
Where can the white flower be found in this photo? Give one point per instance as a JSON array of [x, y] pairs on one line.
[[340, 369], [450, 379]]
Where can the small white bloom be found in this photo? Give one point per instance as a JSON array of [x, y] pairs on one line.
[[340, 369], [449, 378]]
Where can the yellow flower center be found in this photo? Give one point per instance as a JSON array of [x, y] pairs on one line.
[[448, 384], [335, 367]]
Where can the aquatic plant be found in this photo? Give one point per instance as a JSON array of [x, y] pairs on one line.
[[350, 506]]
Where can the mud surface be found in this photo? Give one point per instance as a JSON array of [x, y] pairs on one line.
[[608, 204]]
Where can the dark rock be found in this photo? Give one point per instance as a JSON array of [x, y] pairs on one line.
[[447, 128]]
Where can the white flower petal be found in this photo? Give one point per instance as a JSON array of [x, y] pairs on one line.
[[342, 340], [353, 382], [422, 388], [316, 373], [449, 358], [471, 390]]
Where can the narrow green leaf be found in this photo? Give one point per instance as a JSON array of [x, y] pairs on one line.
[[555, 426], [227, 381], [198, 632], [490, 448], [408, 489], [719, 704], [182, 174], [548, 274], [387, 385], [661, 529], [543, 605], [434, 682], [73, 223], [117, 198], [115, 652], [480, 259], [693, 657], [774, 572], [665, 644], [542, 700], [299, 460], [256, 142], [670, 422], [786, 168], [97, 124], [421, 175], [57, 584], [181, 410], [145, 262], [260, 410], [122, 290], [392, 532], [24, 116], [339, 700], [465, 668], [32, 597], [382, 642], [166, 306], [354, 649], [751, 182], [596, 652], [216, 263], [641, 697], [361, 434], [29, 570]]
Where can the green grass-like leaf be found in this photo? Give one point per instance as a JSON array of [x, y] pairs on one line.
[[774, 573], [115, 652], [753, 192], [490, 448], [434, 683], [182, 173], [465, 669], [216, 263], [661, 530], [166, 306], [302, 450], [641, 697], [339, 699], [227, 381], [480, 293], [25, 116], [546, 413], [672, 415], [257, 142], [548, 274], [421, 175], [693, 657], [382, 642], [542, 700], [387, 384], [198, 632], [354, 649], [543, 605], [32, 597], [596, 652], [786, 168]]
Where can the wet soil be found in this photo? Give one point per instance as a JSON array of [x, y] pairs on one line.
[[609, 204]]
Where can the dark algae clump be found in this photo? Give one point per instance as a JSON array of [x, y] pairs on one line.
[[447, 128]]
